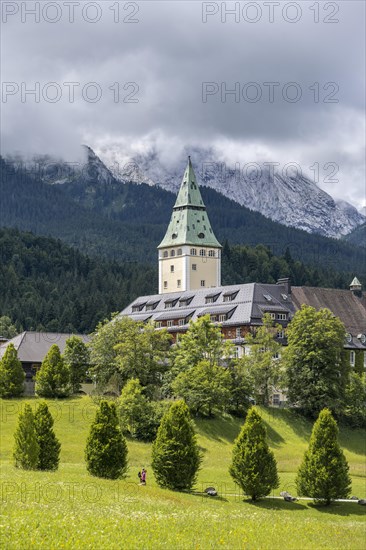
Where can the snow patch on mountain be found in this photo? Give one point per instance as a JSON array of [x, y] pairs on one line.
[[285, 196]]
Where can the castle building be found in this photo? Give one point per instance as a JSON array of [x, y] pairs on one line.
[[189, 254], [190, 286]]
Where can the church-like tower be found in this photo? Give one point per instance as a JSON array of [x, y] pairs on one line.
[[189, 254]]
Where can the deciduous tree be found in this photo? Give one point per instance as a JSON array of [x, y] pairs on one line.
[[204, 387], [315, 370], [263, 360]]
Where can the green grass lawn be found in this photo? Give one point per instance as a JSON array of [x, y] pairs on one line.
[[71, 509]]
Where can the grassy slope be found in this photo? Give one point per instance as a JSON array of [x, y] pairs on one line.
[[71, 509]]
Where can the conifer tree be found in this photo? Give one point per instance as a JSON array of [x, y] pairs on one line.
[[26, 449], [175, 454], [106, 448], [11, 374], [253, 464], [323, 474], [53, 378], [49, 446], [77, 358]]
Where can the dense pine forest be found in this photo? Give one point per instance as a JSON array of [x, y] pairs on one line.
[[47, 285]]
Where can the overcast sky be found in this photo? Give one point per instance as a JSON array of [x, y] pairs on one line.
[[160, 54]]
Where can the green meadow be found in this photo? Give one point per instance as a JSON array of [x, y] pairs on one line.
[[71, 509]]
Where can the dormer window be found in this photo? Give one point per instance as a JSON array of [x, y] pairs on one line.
[[230, 296], [138, 307], [268, 297], [171, 303], [185, 301], [211, 298]]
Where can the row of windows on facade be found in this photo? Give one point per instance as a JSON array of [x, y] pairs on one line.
[[179, 282], [193, 252]]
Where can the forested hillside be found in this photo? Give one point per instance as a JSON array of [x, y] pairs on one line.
[[47, 285], [126, 221], [357, 236]]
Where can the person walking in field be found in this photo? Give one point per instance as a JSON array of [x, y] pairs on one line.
[[143, 476]]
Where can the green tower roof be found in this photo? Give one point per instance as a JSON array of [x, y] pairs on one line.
[[189, 223]]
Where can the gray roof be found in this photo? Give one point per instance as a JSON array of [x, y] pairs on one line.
[[32, 347], [247, 304]]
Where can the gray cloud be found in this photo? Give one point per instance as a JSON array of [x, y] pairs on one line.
[[169, 53]]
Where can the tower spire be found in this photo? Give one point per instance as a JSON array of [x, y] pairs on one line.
[[189, 227]]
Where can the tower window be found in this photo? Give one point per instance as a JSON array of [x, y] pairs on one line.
[[201, 235], [165, 284], [172, 269], [179, 283], [203, 283], [166, 254], [179, 252], [202, 252], [172, 253], [211, 253], [194, 267], [193, 252]]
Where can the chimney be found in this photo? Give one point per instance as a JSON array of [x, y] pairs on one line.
[[285, 281], [356, 287]]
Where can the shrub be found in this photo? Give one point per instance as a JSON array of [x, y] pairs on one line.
[[139, 417]]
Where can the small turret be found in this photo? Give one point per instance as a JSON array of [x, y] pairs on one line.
[[356, 287]]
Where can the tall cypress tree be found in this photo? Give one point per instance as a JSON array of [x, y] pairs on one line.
[[11, 374], [253, 464], [106, 448], [26, 448], [49, 446], [175, 453], [323, 474]]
